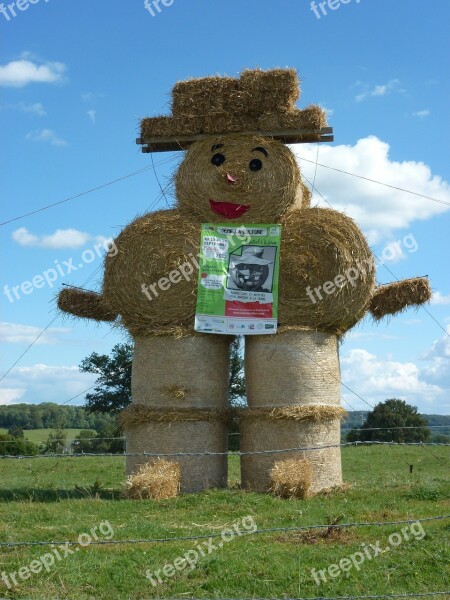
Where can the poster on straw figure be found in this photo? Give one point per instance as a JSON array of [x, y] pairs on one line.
[[237, 292]]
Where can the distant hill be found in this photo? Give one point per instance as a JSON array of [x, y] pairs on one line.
[[49, 415]]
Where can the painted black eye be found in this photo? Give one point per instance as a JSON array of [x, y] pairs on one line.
[[218, 159], [255, 165]]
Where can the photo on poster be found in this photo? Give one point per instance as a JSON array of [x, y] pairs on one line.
[[251, 268]]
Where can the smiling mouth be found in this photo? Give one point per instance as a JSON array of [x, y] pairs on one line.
[[228, 209]]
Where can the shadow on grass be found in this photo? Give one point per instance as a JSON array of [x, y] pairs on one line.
[[55, 495]]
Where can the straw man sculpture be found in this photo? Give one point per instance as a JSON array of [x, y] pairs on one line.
[[238, 169]]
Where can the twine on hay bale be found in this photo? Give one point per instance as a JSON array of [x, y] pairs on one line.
[[137, 414], [86, 305], [318, 246], [293, 413], [269, 192], [155, 480], [395, 297], [291, 478]]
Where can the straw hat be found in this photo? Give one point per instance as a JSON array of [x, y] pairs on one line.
[[257, 103]]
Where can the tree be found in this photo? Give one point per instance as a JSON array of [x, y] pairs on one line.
[[15, 432], [112, 392], [14, 446], [388, 422], [56, 442], [236, 386], [104, 441]]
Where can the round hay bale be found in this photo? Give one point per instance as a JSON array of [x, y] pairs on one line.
[[266, 434], [160, 250], [268, 192], [159, 479], [191, 372], [291, 478], [197, 472], [327, 272], [292, 368]]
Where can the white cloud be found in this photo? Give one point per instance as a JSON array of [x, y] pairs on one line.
[[439, 298], [91, 114], [376, 380], [394, 85], [36, 108], [61, 238], [438, 367], [379, 210], [19, 73], [46, 383], [422, 113], [17, 333], [46, 135], [11, 395]]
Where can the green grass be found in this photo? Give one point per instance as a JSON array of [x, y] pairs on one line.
[[57, 499], [41, 435]]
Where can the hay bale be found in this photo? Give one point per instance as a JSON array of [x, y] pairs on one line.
[[311, 118], [153, 127], [148, 250], [155, 480], [291, 478], [259, 435], [198, 365], [307, 364], [273, 90], [394, 298], [197, 472], [86, 305], [269, 192], [323, 249], [198, 97]]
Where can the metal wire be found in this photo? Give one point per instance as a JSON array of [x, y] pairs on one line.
[[216, 535], [237, 453]]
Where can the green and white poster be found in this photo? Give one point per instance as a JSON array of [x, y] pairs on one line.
[[237, 290]]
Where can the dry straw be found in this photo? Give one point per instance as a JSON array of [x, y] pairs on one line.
[[258, 101], [318, 245], [149, 249], [395, 297], [291, 478], [86, 305], [293, 413], [156, 480], [269, 192], [307, 364], [137, 414]]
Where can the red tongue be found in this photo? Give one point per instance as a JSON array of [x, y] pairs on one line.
[[228, 209]]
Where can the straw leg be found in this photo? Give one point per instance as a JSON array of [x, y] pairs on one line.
[[293, 368], [189, 373]]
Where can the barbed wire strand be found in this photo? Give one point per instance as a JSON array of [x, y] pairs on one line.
[[217, 535], [228, 453]]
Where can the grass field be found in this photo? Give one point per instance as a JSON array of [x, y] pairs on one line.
[[57, 499], [41, 435]]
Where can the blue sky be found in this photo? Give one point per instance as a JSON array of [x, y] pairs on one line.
[[76, 77]]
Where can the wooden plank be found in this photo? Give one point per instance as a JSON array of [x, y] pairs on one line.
[[288, 137]]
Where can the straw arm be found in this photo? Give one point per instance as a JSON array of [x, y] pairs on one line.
[[86, 305], [393, 298]]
